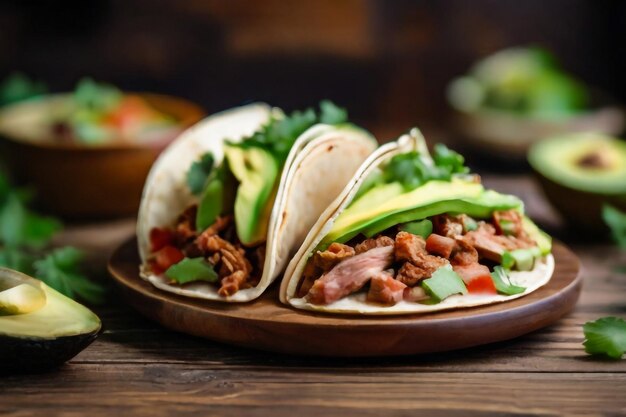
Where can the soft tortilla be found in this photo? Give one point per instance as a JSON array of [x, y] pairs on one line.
[[356, 303], [304, 188]]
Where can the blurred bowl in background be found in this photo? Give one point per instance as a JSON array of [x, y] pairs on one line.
[[79, 181], [504, 135], [579, 173]]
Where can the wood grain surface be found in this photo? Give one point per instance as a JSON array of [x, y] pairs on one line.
[[139, 368], [267, 324]]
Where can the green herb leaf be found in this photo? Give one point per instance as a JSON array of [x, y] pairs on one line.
[[452, 161], [616, 220], [17, 87], [199, 172], [60, 270], [605, 336], [211, 204], [98, 97], [503, 284], [279, 135], [190, 270], [332, 114]]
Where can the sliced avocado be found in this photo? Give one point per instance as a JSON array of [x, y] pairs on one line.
[[543, 240], [256, 170], [360, 216], [435, 197], [422, 228], [46, 336], [521, 259], [480, 207]]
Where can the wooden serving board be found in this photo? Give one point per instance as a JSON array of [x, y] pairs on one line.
[[267, 324]]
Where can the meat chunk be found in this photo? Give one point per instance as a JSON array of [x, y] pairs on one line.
[[508, 223], [409, 248], [232, 283], [491, 246], [234, 268], [350, 275], [463, 253], [385, 290], [335, 253], [185, 229], [440, 245], [411, 274], [447, 225], [368, 244]]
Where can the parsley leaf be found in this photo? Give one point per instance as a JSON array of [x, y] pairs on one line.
[[199, 172], [605, 336], [451, 161], [60, 270], [616, 220], [98, 97]]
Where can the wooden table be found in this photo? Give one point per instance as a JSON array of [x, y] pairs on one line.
[[138, 368]]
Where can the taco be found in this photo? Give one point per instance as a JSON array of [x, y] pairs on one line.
[[227, 204], [415, 233]]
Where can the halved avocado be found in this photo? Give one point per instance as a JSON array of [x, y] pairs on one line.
[[40, 328], [581, 172]]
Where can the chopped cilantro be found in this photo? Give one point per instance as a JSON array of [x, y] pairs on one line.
[[605, 336]]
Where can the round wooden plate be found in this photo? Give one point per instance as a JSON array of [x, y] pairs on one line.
[[267, 324]]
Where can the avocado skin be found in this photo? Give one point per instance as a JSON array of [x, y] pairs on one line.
[[582, 210], [34, 355]]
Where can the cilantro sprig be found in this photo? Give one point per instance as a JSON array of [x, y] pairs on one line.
[[279, 135], [413, 169], [605, 336], [616, 220], [25, 238]]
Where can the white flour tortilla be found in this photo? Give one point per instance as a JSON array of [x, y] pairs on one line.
[[356, 303], [321, 162]]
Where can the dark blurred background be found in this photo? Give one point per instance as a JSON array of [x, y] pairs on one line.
[[388, 61]]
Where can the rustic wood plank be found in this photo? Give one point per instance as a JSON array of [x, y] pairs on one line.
[[158, 390]]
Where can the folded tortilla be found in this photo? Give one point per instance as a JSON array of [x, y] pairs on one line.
[[356, 303], [319, 165]]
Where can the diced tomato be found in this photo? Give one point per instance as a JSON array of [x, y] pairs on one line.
[[477, 278], [159, 238], [167, 257], [440, 245]]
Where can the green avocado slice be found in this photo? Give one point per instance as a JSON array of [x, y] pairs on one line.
[[257, 171], [435, 197], [46, 336]]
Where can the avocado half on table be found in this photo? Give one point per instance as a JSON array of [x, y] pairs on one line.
[[40, 328], [580, 173]]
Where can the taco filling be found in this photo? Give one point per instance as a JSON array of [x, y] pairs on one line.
[[421, 229], [221, 237]]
